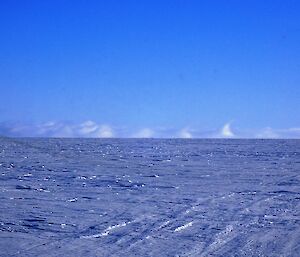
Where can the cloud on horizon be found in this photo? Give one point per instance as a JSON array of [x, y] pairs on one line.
[[226, 131], [57, 129], [91, 129], [185, 133], [144, 133], [269, 132]]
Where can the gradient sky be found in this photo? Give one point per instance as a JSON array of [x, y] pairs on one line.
[[148, 64]]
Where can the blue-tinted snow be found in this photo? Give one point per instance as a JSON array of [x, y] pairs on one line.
[[118, 197]]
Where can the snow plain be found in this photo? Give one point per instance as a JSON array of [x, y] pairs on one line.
[[149, 197]]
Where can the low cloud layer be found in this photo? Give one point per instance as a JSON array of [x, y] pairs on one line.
[[144, 133], [91, 129], [279, 133], [57, 129], [185, 133]]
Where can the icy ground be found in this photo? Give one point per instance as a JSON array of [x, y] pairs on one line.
[[118, 197]]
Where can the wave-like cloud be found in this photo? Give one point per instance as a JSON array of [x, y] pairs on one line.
[[57, 129], [185, 133], [226, 131], [91, 129]]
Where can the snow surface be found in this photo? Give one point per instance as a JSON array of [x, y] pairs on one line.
[[136, 197]]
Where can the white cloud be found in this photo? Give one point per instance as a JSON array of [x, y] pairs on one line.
[[144, 133], [226, 131], [63, 131], [297, 130], [51, 129], [87, 127], [278, 133], [293, 133], [92, 129], [104, 131], [185, 133], [267, 133], [57, 129]]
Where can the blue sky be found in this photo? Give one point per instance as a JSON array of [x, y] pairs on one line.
[[150, 68]]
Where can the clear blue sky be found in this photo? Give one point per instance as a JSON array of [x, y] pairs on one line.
[[151, 63]]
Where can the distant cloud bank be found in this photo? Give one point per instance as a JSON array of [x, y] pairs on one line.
[[144, 133], [185, 133], [91, 129], [57, 129]]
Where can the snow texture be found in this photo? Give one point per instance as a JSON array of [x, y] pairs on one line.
[[149, 197]]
